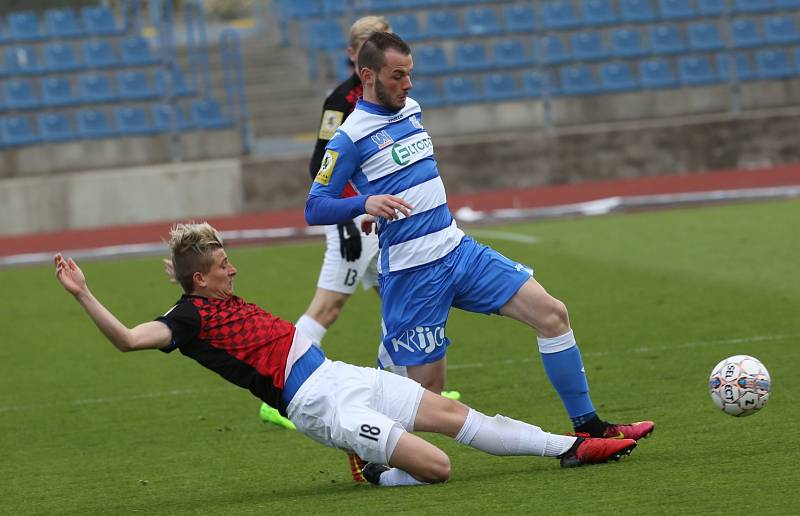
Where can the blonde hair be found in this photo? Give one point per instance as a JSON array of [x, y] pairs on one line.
[[365, 27], [191, 246]]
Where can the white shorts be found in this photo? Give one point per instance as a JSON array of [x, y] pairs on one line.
[[355, 408], [339, 275]]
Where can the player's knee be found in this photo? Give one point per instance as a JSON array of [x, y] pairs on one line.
[[437, 470], [555, 321]]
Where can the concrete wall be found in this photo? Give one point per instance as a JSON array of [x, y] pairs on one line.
[[532, 157], [510, 159], [118, 152], [120, 196]]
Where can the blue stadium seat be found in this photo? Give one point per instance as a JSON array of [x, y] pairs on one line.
[[637, 11], [162, 114], [406, 26], [588, 46], [787, 4], [753, 6], [17, 131], [666, 39], [553, 50], [710, 7], [377, 6], [703, 37], [99, 54], [482, 21], [54, 127], [559, 15], [598, 12], [63, 23], [773, 64], [22, 61], [302, 9], [796, 58], [780, 30], [180, 86], [744, 70], [94, 88], [675, 9], [461, 90], [57, 92], [745, 34], [430, 60], [59, 57], [617, 77], [94, 123], [21, 94], [470, 57], [628, 43], [136, 85], [656, 73], [500, 86], [326, 34], [577, 80], [4, 37], [535, 84], [136, 51], [24, 26], [100, 21], [520, 18], [207, 114], [427, 94], [444, 24], [696, 71], [511, 53], [132, 121], [330, 8]]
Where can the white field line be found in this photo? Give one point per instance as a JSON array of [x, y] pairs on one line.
[[474, 365]]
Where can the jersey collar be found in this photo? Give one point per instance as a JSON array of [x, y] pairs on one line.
[[375, 109]]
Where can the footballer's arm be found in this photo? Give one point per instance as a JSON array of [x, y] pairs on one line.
[[149, 335]]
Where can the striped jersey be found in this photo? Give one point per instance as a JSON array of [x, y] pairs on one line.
[[238, 340], [380, 151]]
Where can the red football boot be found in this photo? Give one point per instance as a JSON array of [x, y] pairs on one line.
[[633, 431], [356, 467], [595, 450]]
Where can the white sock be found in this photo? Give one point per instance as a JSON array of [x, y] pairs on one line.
[[397, 477], [311, 329], [500, 435]]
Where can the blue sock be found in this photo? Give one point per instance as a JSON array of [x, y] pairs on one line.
[[565, 370]]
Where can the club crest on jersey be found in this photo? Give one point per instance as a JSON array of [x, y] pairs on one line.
[[382, 139], [326, 167], [415, 121]]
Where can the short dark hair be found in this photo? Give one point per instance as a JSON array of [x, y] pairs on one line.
[[373, 52]]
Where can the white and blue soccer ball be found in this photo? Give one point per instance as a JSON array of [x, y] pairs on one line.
[[740, 385]]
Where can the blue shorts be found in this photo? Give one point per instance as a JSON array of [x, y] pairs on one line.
[[416, 303]]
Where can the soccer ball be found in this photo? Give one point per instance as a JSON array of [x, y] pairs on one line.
[[740, 385]]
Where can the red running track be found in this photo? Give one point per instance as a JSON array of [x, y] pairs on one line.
[[482, 201]]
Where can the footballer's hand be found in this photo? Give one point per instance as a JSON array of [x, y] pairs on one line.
[[169, 268], [70, 275], [349, 241], [367, 224], [387, 206]]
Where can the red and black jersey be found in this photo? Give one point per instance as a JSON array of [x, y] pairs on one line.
[[238, 340], [338, 106]]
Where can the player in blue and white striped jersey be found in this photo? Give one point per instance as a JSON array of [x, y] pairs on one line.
[[427, 265]]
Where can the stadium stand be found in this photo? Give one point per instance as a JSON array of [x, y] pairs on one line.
[[93, 74], [585, 47]]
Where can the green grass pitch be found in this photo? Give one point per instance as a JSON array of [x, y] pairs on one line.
[[656, 299]]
